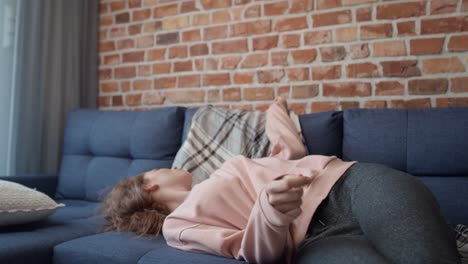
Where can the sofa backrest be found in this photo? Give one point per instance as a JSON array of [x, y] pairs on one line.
[[103, 147]]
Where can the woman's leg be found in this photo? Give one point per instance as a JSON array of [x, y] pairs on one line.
[[339, 250], [399, 215]]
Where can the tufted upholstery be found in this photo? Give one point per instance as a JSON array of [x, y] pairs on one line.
[[102, 147]]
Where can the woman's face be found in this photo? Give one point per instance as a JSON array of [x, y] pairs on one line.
[[169, 179]]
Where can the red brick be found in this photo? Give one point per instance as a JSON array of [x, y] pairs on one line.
[[298, 74], [144, 70], [359, 51], [252, 11], [165, 82], [134, 3], [109, 87], [105, 74], [333, 53], [187, 7], [270, 76], [181, 66], [283, 91], [348, 105], [167, 10], [464, 6], [443, 6], [304, 55], [103, 8], [141, 14], [251, 28], [117, 32], [230, 46], [191, 35], [427, 86], [221, 16], [125, 86], [178, 52], [258, 94], [279, 58], [376, 31], [458, 43], [232, 94], [323, 106], [149, 27], [298, 108], [242, 107], [125, 72], [326, 72], [213, 96], [188, 81], [156, 54], [167, 38], [215, 32], [230, 62], [291, 40], [265, 43], [122, 18], [301, 6], [133, 99], [153, 98], [290, 24], [400, 10], [112, 59], [459, 85], [389, 48], [117, 100], [331, 18], [106, 21], [400, 68], [375, 104], [211, 63], [104, 101], [452, 102], [442, 65], [135, 56], [426, 46], [363, 14], [198, 49], [362, 70], [317, 37], [357, 2], [216, 79], [200, 19], [304, 91], [212, 4], [185, 96], [236, 13], [346, 89], [139, 85], [161, 68], [389, 88], [116, 6], [411, 103], [243, 77], [106, 46], [136, 29], [407, 28], [325, 4], [255, 60], [145, 41], [346, 34], [442, 25], [273, 9]]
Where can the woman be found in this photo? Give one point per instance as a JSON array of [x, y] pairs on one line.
[[288, 207]]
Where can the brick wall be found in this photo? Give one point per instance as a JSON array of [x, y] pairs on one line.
[[322, 54]]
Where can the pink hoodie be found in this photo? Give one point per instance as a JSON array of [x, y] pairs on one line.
[[229, 213]]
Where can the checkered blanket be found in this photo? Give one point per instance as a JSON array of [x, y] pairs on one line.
[[462, 242], [218, 134]]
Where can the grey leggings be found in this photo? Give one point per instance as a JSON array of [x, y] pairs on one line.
[[375, 214]]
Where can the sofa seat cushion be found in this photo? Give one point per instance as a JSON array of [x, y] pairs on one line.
[[106, 248], [34, 242], [74, 209], [169, 255]]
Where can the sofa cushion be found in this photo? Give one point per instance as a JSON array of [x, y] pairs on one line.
[[376, 135], [189, 113], [323, 132], [451, 194], [34, 242], [437, 141], [102, 147], [75, 209], [109, 247]]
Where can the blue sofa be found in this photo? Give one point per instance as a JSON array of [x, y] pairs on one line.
[[102, 147]]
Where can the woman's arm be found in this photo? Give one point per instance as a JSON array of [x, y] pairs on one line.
[[283, 135]]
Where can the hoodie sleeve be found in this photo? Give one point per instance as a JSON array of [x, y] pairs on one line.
[[283, 135], [264, 239]]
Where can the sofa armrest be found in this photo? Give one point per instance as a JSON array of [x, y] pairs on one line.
[[41, 182]]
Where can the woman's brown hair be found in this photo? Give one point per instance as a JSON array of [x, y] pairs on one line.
[[128, 207]]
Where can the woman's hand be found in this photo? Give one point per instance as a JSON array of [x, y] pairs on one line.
[[285, 194]]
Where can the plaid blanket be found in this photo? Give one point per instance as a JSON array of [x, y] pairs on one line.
[[218, 134], [461, 232]]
